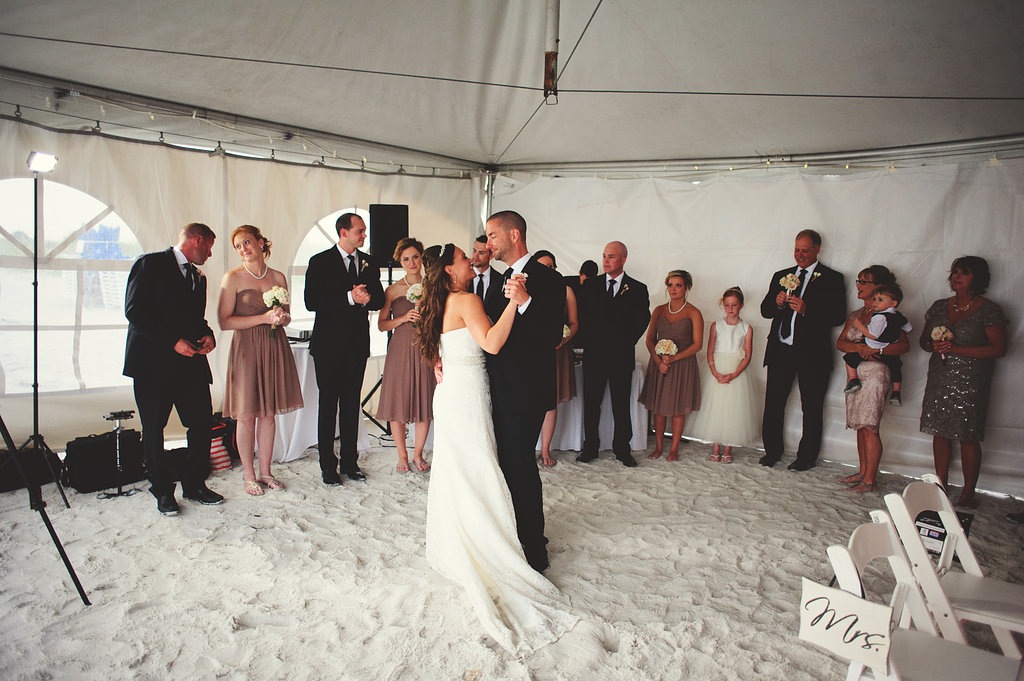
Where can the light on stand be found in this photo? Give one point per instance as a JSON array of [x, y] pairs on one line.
[[38, 162]]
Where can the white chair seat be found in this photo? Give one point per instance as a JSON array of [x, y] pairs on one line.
[[924, 657], [989, 601]]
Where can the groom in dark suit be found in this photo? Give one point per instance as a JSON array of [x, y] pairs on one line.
[[522, 377], [165, 354], [342, 288], [614, 312], [800, 347]]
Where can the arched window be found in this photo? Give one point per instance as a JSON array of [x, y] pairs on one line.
[[321, 237], [85, 254]]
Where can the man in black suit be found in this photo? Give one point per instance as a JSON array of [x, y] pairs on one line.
[[487, 282], [800, 347], [614, 312], [165, 355], [342, 288], [522, 377]]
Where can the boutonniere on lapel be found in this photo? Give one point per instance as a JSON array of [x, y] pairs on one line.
[[362, 265], [625, 288], [815, 275]]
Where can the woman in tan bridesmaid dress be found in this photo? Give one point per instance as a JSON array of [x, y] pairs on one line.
[[261, 376], [407, 384]]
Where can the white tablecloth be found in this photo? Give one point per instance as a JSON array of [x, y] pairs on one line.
[[569, 427], [296, 431]]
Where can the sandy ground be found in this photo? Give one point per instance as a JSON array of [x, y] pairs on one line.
[[687, 570]]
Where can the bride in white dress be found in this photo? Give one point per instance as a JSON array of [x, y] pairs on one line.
[[471, 529]]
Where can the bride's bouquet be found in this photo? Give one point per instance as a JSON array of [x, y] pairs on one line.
[[275, 297], [665, 347]]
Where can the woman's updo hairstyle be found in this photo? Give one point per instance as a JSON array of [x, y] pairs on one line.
[[682, 274], [732, 292], [404, 243], [254, 232]]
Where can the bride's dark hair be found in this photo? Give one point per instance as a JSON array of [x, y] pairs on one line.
[[436, 287]]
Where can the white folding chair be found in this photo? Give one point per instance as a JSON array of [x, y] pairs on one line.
[[953, 595], [847, 627]]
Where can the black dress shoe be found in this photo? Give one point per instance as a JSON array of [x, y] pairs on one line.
[[355, 475], [767, 461], [166, 504], [205, 496], [586, 457], [627, 460], [801, 465], [332, 479]]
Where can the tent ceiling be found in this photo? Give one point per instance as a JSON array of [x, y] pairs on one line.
[[641, 80]]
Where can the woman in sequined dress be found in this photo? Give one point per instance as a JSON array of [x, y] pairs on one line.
[[965, 333]]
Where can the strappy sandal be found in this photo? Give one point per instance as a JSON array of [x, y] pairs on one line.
[[421, 465], [727, 457], [252, 488], [714, 456], [403, 467], [863, 488], [271, 482]]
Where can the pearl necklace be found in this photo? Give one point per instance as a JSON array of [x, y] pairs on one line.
[[266, 269], [964, 308], [408, 284], [671, 311]]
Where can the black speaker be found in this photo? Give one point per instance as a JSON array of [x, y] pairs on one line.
[[389, 224]]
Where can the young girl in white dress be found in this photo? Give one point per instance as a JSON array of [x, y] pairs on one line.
[[728, 413]]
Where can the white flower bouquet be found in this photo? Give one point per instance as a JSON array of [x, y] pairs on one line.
[[566, 330], [275, 297], [790, 282], [415, 293], [665, 347], [941, 334]]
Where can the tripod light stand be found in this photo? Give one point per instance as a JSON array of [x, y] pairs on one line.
[[38, 162]]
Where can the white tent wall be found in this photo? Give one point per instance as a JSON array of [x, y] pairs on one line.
[[737, 228], [157, 189]]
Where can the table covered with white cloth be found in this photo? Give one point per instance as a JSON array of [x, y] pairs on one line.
[[296, 431], [569, 427]]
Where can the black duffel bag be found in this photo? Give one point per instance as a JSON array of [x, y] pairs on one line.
[[90, 463]]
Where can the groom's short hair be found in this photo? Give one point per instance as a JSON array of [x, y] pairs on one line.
[[509, 219]]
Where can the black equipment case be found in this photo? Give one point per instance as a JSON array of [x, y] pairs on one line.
[[90, 463]]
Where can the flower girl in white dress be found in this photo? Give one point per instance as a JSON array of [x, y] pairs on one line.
[[728, 412], [471, 527]]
